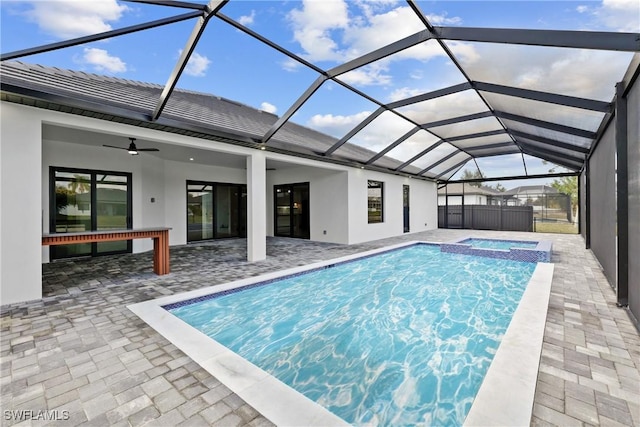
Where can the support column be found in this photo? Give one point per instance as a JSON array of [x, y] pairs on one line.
[[256, 207], [20, 204]]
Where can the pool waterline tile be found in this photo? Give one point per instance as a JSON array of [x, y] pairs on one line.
[[263, 400]]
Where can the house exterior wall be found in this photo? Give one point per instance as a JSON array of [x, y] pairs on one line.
[[423, 216], [338, 194], [328, 200], [423, 209]]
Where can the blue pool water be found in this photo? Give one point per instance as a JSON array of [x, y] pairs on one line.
[[400, 338], [499, 244]]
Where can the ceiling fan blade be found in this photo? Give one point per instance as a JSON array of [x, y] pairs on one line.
[[113, 146], [148, 149]]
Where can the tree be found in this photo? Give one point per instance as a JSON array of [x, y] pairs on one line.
[[79, 184], [568, 185], [476, 174], [468, 174], [64, 197]]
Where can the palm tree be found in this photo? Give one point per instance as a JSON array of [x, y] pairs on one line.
[[80, 184]]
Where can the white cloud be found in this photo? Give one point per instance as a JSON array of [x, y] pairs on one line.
[[327, 31], [102, 61], [404, 93], [593, 73], [337, 125], [380, 30], [367, 76], [75, 18], [620, 15], [583, 9], [313, 24], [197, 65], [444, 19], [269, 108], [247, 20], [290, 65], [382, 131]]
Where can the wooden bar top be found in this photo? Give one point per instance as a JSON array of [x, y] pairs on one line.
[[98, 232]]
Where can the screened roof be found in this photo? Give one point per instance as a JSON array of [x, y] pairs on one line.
[[401, 87]]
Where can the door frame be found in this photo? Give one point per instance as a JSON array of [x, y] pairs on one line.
[[242, 188], [275, 209], [406, 211]]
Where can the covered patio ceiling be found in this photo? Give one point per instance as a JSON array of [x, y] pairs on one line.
[[461, 109]]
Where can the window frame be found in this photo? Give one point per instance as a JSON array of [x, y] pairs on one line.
[[374, 184]]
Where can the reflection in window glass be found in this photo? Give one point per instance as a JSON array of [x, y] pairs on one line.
[[374, 201]]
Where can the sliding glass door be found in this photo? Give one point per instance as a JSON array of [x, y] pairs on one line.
[[88, 200], [405, 207], [111, 208], [291, 216], [216, 211]]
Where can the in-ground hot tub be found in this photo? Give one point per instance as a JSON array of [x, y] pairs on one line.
[[517, 250]]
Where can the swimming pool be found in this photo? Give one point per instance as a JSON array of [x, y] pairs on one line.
[[404, 337], [274, 400]]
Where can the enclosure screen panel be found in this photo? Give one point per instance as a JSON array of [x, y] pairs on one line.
[[602, 194], [633, 138], [548, 133], [482, 141], [445, 107], [466, 128], [412, 146], [545, 111]]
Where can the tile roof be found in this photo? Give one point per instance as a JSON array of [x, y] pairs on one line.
[[137, 100]]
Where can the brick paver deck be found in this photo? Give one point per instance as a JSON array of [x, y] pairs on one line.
[[80, 354]]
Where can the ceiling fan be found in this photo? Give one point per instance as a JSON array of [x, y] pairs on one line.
[[132, 149]]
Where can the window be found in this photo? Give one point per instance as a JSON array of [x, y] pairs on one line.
[[89, 200], [374, 201]]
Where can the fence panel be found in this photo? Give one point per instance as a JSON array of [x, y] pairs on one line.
[[487, 217]]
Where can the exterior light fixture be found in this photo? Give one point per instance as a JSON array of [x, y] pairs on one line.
[[191, 159], [263, 147]]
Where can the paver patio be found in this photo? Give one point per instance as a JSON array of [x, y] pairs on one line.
[[80, 351]]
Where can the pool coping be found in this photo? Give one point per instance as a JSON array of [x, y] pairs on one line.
[[505, 396]]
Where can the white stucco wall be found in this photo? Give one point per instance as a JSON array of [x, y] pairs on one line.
[[327, 200], [21, 206], [422, 207]]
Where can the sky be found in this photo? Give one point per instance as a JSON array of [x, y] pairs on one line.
[[327, 33]]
